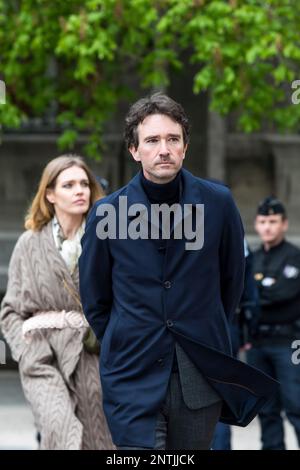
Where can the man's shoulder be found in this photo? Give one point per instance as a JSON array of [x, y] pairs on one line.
[[112, 198], [209, 185], [217, 187], [290, 249], [286, 249]]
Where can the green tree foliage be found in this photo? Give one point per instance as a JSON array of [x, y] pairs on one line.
[[74, 58]]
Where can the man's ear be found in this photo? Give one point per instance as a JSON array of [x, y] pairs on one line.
[[135, 153], [184, 150], [50, 196], [285, 225]]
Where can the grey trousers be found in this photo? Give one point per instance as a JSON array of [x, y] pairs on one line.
[[180, 428]]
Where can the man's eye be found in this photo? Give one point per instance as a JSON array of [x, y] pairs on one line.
[[174, 139], [152, 141]]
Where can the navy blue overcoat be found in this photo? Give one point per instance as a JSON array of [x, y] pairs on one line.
[[140, 299]]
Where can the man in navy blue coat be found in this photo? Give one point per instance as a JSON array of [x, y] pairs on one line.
[[161, 273]]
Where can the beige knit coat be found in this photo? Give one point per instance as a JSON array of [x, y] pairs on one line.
[[60, 378]]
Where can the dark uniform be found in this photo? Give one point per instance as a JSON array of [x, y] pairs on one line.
[[277, 274], [241, 327]]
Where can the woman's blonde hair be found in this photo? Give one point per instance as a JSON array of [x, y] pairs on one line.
[[41, 211]]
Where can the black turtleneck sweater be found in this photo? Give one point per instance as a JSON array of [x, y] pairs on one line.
[[167, 193]]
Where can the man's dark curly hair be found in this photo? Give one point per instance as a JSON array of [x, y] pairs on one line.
[[154, 104]]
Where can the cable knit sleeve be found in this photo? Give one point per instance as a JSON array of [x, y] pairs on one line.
[[11, 314]]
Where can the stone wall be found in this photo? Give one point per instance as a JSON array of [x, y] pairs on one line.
[[259, 165]]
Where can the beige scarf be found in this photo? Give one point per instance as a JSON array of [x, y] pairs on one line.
[[70, 250]]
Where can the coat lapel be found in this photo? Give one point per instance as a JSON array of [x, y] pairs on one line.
[[189, 201], [57, 262]]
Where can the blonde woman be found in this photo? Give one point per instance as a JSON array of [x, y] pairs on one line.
[[41, 316]]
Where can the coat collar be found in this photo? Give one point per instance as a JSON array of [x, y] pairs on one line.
[[189, 199], [190, 195]]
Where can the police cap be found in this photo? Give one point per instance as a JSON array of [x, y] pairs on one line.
[[270, 206]]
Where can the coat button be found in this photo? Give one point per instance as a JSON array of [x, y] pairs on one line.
[[170, 323], [160, 362], [167, 284]]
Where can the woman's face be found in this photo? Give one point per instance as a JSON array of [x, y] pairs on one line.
[[71, 195]]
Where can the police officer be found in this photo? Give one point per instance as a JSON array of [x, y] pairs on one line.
[[241, 327], [276, 267]]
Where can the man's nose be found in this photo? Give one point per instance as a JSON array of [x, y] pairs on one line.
[[163, 150]]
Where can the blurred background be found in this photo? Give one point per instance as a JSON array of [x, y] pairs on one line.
[[71, 70]]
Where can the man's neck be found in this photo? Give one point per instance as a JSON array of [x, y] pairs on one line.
[[158, 181], [269, 245], [162, 193]]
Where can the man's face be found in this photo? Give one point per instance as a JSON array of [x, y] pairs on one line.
[[271, 228], [161, 149]]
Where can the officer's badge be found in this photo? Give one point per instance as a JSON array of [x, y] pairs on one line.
[[268, 281], [258, 276], [290, 272]]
